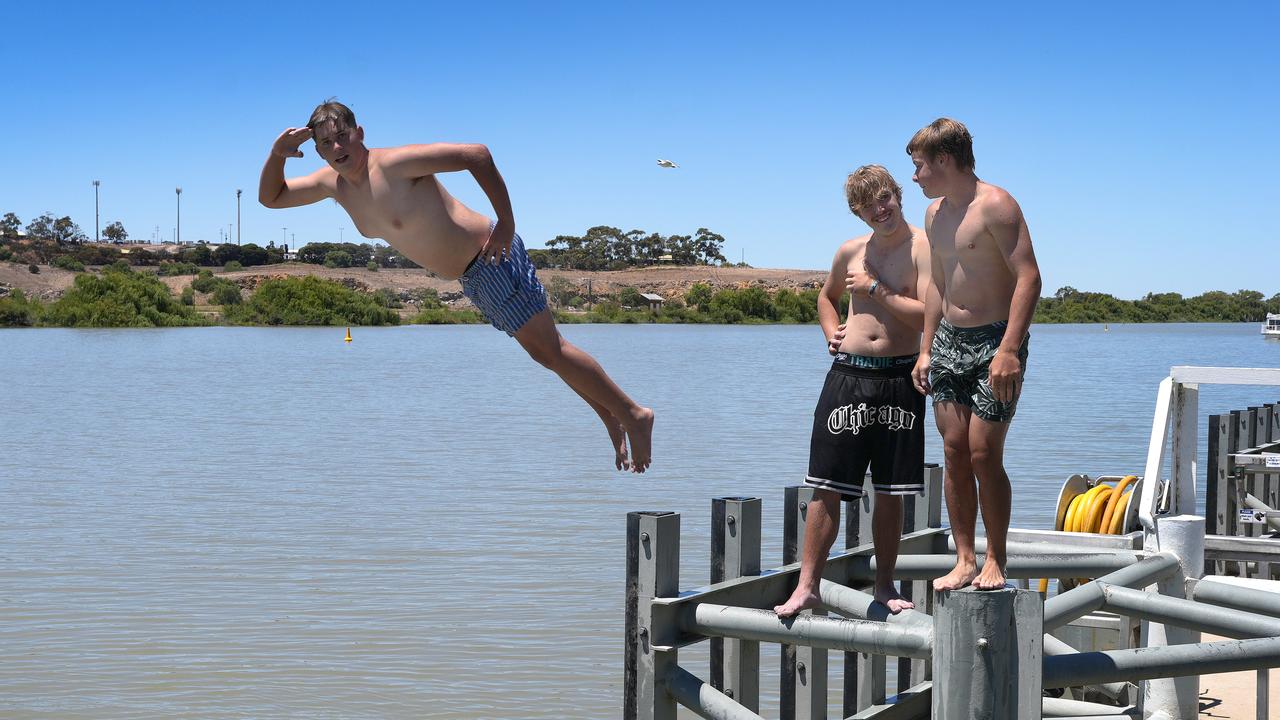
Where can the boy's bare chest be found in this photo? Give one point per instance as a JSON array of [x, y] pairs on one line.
[[959, 236], [894, 266], [385, 207]]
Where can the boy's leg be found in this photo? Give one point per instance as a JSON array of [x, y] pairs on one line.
[[886, 531], [986, 452], [540, 338], [820, 530], [960, 490]]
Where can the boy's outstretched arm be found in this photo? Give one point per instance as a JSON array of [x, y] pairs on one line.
[[415, 161], [276, 192]]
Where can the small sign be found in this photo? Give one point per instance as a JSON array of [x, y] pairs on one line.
[[1253, 517], [1273, 461]]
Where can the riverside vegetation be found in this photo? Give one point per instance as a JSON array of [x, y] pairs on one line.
[[125, 290]]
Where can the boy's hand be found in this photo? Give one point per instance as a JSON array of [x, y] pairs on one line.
[[286, 146], [920, 374], [833, 342], [498, 247], [1005, 376], [859, 283]]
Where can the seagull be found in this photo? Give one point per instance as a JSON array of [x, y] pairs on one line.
[[666, 163]]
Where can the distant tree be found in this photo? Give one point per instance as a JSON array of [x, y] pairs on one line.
[[66, 231], [41, 227], [699, 296], [115, 232], [226, 253], [337, 259], [10, 224], [708, 246], [252, 254], [198, 255]]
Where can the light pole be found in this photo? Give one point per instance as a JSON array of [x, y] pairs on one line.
[[237, 216], [97, 234], [339, 234], [177, 233]]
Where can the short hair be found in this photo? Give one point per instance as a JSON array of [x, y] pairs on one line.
[[944, 136], [865, 185], [332, 110]]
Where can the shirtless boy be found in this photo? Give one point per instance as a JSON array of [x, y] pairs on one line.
[[973, 353], [868, 412], [393, 194]]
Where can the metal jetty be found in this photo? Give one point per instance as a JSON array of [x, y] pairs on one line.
[[996, 654]]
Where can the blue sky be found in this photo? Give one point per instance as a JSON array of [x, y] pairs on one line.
[[1138, 137]]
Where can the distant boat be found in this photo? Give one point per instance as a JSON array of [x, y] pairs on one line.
[[666, 163], [1271, 326]]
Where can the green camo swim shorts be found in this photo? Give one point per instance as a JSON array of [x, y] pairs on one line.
[[960, 365]]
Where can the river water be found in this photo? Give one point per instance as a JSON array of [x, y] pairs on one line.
[[252, 522]]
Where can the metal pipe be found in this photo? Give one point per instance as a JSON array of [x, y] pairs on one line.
[[1115, 691], [1273, 522], [1155, 459], [1092, 668], [808, 630], [1237, 596], [861, 606], [704, 700], [1077, 602], [1076, 564], [1064, 707], [1188, 613]]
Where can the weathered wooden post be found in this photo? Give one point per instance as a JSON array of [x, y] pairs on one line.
[[987, 654], [653, 570], [803, 682], [735, 552]]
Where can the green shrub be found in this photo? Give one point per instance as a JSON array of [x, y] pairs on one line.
[[17, 310], [388, 298], [188, 296], [372, 266], [204, 282], [227, 293], [233, 266], [309, 301], [33, 269], [119, 298], [445, 316], [5, 254], [67, 262], [173, 269]]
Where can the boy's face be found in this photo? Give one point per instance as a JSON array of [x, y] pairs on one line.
[[883, 213], [929, 174], [340, 146]]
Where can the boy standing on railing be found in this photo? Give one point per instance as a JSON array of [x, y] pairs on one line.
[[868, 412]]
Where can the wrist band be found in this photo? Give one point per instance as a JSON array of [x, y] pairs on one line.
[[872, 290]]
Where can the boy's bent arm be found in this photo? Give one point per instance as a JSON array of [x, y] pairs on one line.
[[415, 161], [932, 310], [276, 192], [829, 299]]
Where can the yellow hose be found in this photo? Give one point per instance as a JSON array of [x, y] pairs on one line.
[[1093, 520], [1117, 522], [1114, 502], [1100, 509]]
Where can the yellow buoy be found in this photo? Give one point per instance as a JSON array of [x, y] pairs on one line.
[[348, 335]]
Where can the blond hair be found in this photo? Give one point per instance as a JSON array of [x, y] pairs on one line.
[[944, 136], [332, 110], [867, 184]]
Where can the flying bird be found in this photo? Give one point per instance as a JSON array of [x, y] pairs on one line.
[[666, 163]]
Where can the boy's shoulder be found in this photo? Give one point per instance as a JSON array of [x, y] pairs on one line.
[[997, 204]]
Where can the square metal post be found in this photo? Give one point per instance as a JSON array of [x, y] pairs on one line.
[[653, 570], [735, 552], [803, 681]]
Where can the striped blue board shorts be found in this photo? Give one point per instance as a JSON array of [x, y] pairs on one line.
[[507, 293]]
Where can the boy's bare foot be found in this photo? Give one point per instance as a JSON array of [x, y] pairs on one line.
[[640, 434], [618, 437], [991, 577], [960, 576], [801, 599], [892, 599]]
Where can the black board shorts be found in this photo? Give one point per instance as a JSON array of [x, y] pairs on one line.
[[868, 417]]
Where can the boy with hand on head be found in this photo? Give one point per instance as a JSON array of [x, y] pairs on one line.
[[393, 194]]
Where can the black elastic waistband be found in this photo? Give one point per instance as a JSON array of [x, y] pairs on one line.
[[892, 365]]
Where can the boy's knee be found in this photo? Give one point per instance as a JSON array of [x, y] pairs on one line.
[[546, 355]]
